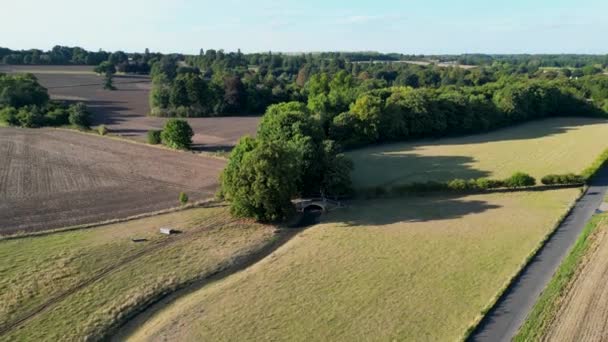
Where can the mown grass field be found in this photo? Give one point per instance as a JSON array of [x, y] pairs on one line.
[[558, 145], [35, 270], [417, 268]]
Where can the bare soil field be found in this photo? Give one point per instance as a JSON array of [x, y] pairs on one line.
[[124, 111], [583, 312], [53, 178]]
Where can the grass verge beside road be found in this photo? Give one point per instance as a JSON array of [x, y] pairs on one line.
[[546, 307]]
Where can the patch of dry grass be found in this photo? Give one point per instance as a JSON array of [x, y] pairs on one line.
[[421, 268], [36, 269]]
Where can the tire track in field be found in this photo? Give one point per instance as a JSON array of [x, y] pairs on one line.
[[6, 167], [107, 271]]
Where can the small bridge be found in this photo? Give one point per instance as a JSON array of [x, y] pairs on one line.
[[317, 204]]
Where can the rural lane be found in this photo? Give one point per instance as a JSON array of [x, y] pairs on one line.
[[506, 317]]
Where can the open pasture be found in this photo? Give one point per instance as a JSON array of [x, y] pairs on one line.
[[419, 268], [53, 178], [124, 111], [79, 285], [557, 145]]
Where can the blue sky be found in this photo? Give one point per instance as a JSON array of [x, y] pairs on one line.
[[407, 26]]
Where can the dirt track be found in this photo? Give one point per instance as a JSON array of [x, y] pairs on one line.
[[583, 315], [55, 178], [125, 110]]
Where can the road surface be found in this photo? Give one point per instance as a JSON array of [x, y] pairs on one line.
[[504, 320]]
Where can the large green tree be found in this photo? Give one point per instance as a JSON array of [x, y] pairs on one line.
[[177, 134], [260, 180]]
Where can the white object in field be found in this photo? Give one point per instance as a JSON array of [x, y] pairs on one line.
[[167, 231]]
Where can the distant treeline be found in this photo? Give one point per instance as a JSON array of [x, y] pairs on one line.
[[63, 55], [542, 60], [219, 83]]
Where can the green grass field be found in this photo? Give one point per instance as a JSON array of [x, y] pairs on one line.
[[418, 268], [35, 270], [559, 145]]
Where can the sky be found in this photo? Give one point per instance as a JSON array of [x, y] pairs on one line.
[[406, 26]]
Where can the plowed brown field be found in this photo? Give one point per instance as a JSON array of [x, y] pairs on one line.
[[54, 178], [583, 313], [125, 110]]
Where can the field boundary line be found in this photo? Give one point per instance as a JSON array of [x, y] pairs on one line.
[[132, 141], [208, 203], [521, 268]]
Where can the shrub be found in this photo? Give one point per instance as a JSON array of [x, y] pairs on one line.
[[569, 178], [177, 134], [519, 180], [29, 117], [154, 137], [183, 198], [9, 115], [485, 183], [102, 130], [79, 115], [56, 117], [458, 185]]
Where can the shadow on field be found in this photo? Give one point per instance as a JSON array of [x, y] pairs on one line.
[[397, 167], [211, 148], [412, 209]]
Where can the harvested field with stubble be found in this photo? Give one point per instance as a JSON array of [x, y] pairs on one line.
[[80, 285], [124, 111], [418, 268], [51, 178], [582, 312], [557, 145]]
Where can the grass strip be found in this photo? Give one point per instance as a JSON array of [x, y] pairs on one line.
[[546, 307]]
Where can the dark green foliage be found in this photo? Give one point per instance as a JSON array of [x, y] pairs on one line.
[[177, 134], [105, 68], [9, 115], [403, 113], [260, 180], [289, 158], [30, 116], [153, 137], [565, 179], [79, 115], [21, 90], [520, 180], [183, 198], [57, 117], [108, 83]]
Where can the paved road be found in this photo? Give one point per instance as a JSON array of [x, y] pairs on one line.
[[511, 310]]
